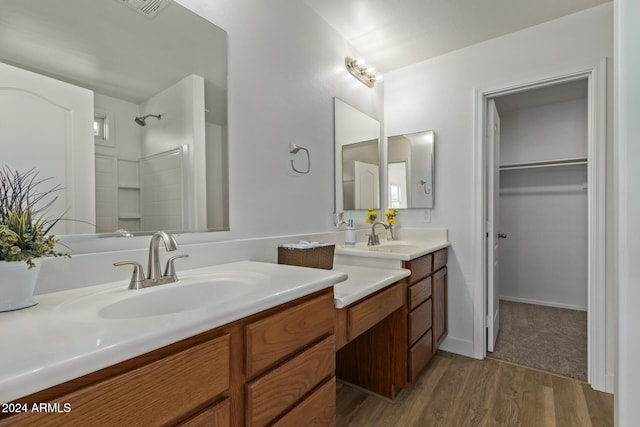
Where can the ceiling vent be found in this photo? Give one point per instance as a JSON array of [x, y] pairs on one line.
[[148, 8]]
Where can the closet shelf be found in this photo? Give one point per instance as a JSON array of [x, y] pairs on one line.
[[545, 163]]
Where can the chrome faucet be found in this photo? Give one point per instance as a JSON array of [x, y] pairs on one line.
[[155, 275], [373, 237], [153, 267]]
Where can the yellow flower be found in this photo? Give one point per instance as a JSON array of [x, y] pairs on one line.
[[391, 221]]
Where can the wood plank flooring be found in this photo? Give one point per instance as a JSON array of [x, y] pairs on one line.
[[459, 391]]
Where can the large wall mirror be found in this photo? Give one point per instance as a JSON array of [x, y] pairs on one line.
[[127, 109], [357, 160], [410, 170]]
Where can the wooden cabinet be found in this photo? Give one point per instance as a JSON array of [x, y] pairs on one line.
[[371, 342], [218, 415], [426, 309], [274, 338], [439, 306], [156, 393], [290, 354], [268, 368]]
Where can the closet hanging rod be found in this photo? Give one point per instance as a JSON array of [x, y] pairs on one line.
[[545, 163]]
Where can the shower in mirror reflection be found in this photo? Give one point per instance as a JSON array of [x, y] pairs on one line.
[[142, 120], [410, 169]]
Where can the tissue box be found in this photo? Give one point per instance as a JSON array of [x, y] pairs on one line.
[[318, 257]]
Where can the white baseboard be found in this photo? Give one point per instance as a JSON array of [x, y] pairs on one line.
[[458, 346], [546, 303]]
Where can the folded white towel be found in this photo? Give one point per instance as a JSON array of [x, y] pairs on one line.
[[303, 244]]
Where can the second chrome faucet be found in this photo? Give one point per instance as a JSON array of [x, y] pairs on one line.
[[154, 273]]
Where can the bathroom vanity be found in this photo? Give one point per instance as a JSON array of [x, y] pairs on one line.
[[264, 344], [274, 363], [419, 325]]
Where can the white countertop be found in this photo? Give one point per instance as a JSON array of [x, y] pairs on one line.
[[403, 250], [45, 345], [364, 281]]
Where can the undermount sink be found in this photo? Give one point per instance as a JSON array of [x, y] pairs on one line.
[[176, 299], [399, 250], [197, 291], [395, 247]]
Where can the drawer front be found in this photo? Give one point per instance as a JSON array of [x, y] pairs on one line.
[[439, 259], [276, 392], [272, 339], [419, 355], [218, 415], [168, 380], [319, 409], [364, 315], [418, 293], [420, 268], [419, 321]]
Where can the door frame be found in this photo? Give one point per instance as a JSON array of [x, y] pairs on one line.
[[596, 179]]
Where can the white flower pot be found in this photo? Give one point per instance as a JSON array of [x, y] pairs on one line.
[[17, 284]]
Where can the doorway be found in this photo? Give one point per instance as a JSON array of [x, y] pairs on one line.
[[595, 174]]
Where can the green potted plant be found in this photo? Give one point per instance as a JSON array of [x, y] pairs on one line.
[[24, 235]]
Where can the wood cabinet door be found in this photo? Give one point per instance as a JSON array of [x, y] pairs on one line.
[[439, 296]]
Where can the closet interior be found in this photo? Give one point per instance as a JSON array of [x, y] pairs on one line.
[[543, 212]]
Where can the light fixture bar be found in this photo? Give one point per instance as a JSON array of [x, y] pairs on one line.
[[361, 71]]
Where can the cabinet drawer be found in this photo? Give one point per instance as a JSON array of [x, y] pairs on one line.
[[364, 315], [439, 259], [218, 415], [420, 268], [274, 393], [420, 354], [175, 382], [418, 293], [419, 321], [319, 409], [272, 339]]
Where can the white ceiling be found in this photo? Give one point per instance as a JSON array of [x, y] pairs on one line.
[[101, 45], [391, 34]]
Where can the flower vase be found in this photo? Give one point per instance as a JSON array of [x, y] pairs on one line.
[[391, 232], [17, 283]]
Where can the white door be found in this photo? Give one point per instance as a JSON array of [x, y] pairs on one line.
[[367, 185], [493, 217], [47, 125]]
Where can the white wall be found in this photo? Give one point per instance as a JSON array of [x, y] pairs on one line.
[[549, 132], [627, 105], [438, 94], [543, 211], [123, 141], [217, 191], [124, 133], [285, 66]]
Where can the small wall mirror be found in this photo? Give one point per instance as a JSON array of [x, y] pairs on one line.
[[357, 160], [410, 169]]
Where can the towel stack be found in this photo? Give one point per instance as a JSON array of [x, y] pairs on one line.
[[303, 244]]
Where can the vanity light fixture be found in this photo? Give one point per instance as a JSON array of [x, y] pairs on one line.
[[366, 74]]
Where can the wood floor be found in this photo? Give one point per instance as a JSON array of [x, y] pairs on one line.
[[459, 391]]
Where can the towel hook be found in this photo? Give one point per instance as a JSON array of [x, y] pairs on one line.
[[293, 149], [424, 186]]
